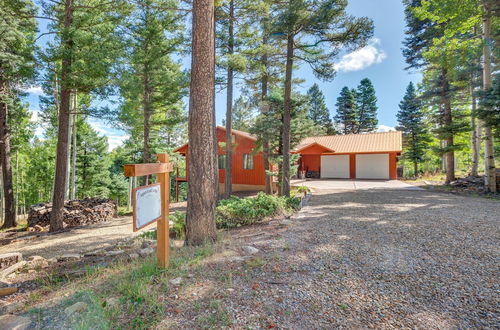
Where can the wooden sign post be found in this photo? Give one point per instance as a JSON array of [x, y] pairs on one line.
[[162, 170]]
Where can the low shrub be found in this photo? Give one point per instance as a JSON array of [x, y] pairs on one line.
[[178, 229], [235, 211]]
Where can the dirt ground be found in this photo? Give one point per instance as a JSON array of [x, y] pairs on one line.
[[360, 259], [80, 239], [354, 259]]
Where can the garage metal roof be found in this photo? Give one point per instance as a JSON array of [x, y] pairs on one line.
[[356, 143]]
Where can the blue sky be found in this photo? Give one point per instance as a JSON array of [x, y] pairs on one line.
[[381, 61]]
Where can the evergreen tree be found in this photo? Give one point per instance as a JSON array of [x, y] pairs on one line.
[[366, 106], [82, 53], [315, 32], [17, 33], [92, 163], [347, 115], [151, 83], [318, 112], [202, 166], [411, 121], [269, 127], [243, 115], [438, 77]]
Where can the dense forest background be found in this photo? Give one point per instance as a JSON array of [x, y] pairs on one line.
[[120, 62]]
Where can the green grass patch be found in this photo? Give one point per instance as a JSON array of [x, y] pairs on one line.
[[125, 295]]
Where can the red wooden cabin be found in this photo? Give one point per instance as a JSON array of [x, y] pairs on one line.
[[248, 165]]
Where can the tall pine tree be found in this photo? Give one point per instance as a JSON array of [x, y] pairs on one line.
[[366, 106], [411, 123], [318, 112], [82, 53], [315, 32], [17, 40], [347, 116]]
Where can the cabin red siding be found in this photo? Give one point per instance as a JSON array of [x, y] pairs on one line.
[[241, 146]]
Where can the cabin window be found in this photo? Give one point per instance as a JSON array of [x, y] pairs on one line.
[[247, 162], [222, 162]]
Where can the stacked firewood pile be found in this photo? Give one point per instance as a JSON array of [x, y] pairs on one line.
[[76, 212], [474, 183]]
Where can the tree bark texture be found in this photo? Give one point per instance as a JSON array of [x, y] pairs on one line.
[[228, 180], [202, 165], [287, 117], [56, 217], [5, 156], [265, 144], [448, 121], [475, 143], [489, 152]]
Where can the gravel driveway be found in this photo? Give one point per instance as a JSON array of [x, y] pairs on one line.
[[375, 259]]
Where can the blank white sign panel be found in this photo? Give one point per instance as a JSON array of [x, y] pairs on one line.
[[147, 205]]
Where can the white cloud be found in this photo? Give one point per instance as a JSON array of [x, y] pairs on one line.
[[116, 140], [37, 90], [115, 136], [35, 114], [384, 128], [362, 58]]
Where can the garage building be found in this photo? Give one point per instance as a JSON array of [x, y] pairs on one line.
[[352, 156]]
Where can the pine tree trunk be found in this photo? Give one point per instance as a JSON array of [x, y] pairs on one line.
[[147, 119], [489, 151], [5, 158], [287, 117], [265, 144], [228, 180], [448, 121], [73, 166], [202, 165], [56, 216], [70, 127], [475, 141]]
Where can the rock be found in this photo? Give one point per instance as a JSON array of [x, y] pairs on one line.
[[133, 256], [69, 257], [147, 243], [75, 308], [6, 272], [52, 260], [37, 262], [115, 253], [9, 259], [286, 222], [176, 281], [249, 249], [112, 302], [7, 308], [7, 291], [14, 322], [146, 252]]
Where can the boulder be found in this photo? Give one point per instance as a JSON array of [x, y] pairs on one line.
[[249, 249], [14, 322]]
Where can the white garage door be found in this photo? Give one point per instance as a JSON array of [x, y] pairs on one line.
[[375, 166], [335, 167]]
